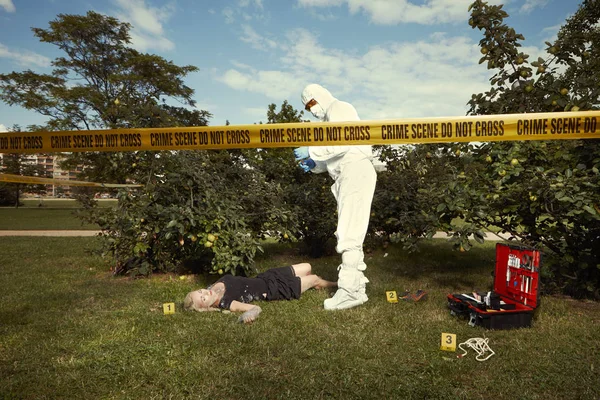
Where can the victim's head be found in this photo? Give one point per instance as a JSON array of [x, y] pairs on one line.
[[199, 300]]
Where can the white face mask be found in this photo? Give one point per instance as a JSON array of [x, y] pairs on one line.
[[318, 112]]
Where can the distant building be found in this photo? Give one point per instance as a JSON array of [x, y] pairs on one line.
[[50, 164]]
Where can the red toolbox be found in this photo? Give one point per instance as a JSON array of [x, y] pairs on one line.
[[515, 295]]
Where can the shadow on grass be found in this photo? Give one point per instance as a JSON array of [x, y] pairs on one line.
[[435, 264]]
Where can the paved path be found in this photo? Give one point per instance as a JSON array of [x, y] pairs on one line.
[[439, 235]]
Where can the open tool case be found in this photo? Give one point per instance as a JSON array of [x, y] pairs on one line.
[[515, 297]]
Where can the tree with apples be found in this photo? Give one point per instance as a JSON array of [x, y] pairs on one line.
[[543, 193], [308, 197]]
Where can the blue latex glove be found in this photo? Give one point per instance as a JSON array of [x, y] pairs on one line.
[[301, 153], [307, 164]]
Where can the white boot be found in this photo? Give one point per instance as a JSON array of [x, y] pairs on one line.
[[351, 290], [362, 285], [342, 300]]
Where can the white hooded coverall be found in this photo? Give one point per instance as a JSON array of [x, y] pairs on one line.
[[354, 184]]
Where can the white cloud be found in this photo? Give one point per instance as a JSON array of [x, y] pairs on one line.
[[551, 32], [256, 113], [321, 3], [147, 23], [24, 58], [391, 12], [427, 78], [228, 14], [247, 10], [206, 105], [240, 65], [8, 6], [145, 42], [531, 5], [3, 128], [388, 12], [273, 84], [246, 3], [256, 41]]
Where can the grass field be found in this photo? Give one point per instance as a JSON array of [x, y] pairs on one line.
[[44, 214], [69, 329]]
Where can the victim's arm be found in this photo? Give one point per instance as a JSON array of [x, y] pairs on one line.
[[250, 311]]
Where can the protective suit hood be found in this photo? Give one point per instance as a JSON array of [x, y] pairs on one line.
[[319, 93]]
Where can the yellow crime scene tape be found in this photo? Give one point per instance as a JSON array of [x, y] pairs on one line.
[[35, 180], [486, 128]]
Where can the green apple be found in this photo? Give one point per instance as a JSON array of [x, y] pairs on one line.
[[514, 162]]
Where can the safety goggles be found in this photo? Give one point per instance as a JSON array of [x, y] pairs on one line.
[[310, 104]]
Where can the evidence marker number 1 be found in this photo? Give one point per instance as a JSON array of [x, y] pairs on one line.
[[169, 308]]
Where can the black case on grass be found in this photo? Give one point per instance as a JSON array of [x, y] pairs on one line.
[[516, 285]]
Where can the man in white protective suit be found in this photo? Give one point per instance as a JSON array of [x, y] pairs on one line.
[[354, 184]]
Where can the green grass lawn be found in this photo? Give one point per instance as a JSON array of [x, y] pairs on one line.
[[36, 214], [62, 203], [69, 329], [34, 219]]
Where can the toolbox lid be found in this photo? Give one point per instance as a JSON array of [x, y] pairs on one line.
[[517, 273]]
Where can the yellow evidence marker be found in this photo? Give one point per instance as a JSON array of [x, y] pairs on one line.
[[448, 342], [169, 308], [391, 296]]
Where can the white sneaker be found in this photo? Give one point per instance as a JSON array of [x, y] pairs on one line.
[[343, 299]]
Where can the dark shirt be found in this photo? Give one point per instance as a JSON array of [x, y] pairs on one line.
[[244, 290]]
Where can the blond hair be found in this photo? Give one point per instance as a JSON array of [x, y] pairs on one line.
[[190, 305]]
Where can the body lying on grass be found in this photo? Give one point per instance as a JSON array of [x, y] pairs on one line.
[[235, 293]]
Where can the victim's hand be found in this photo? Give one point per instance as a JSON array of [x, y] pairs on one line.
[[250, 316]]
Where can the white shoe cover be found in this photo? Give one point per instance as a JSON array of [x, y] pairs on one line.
[[343, 299]]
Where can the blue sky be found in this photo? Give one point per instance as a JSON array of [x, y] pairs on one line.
[[389, 58]]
